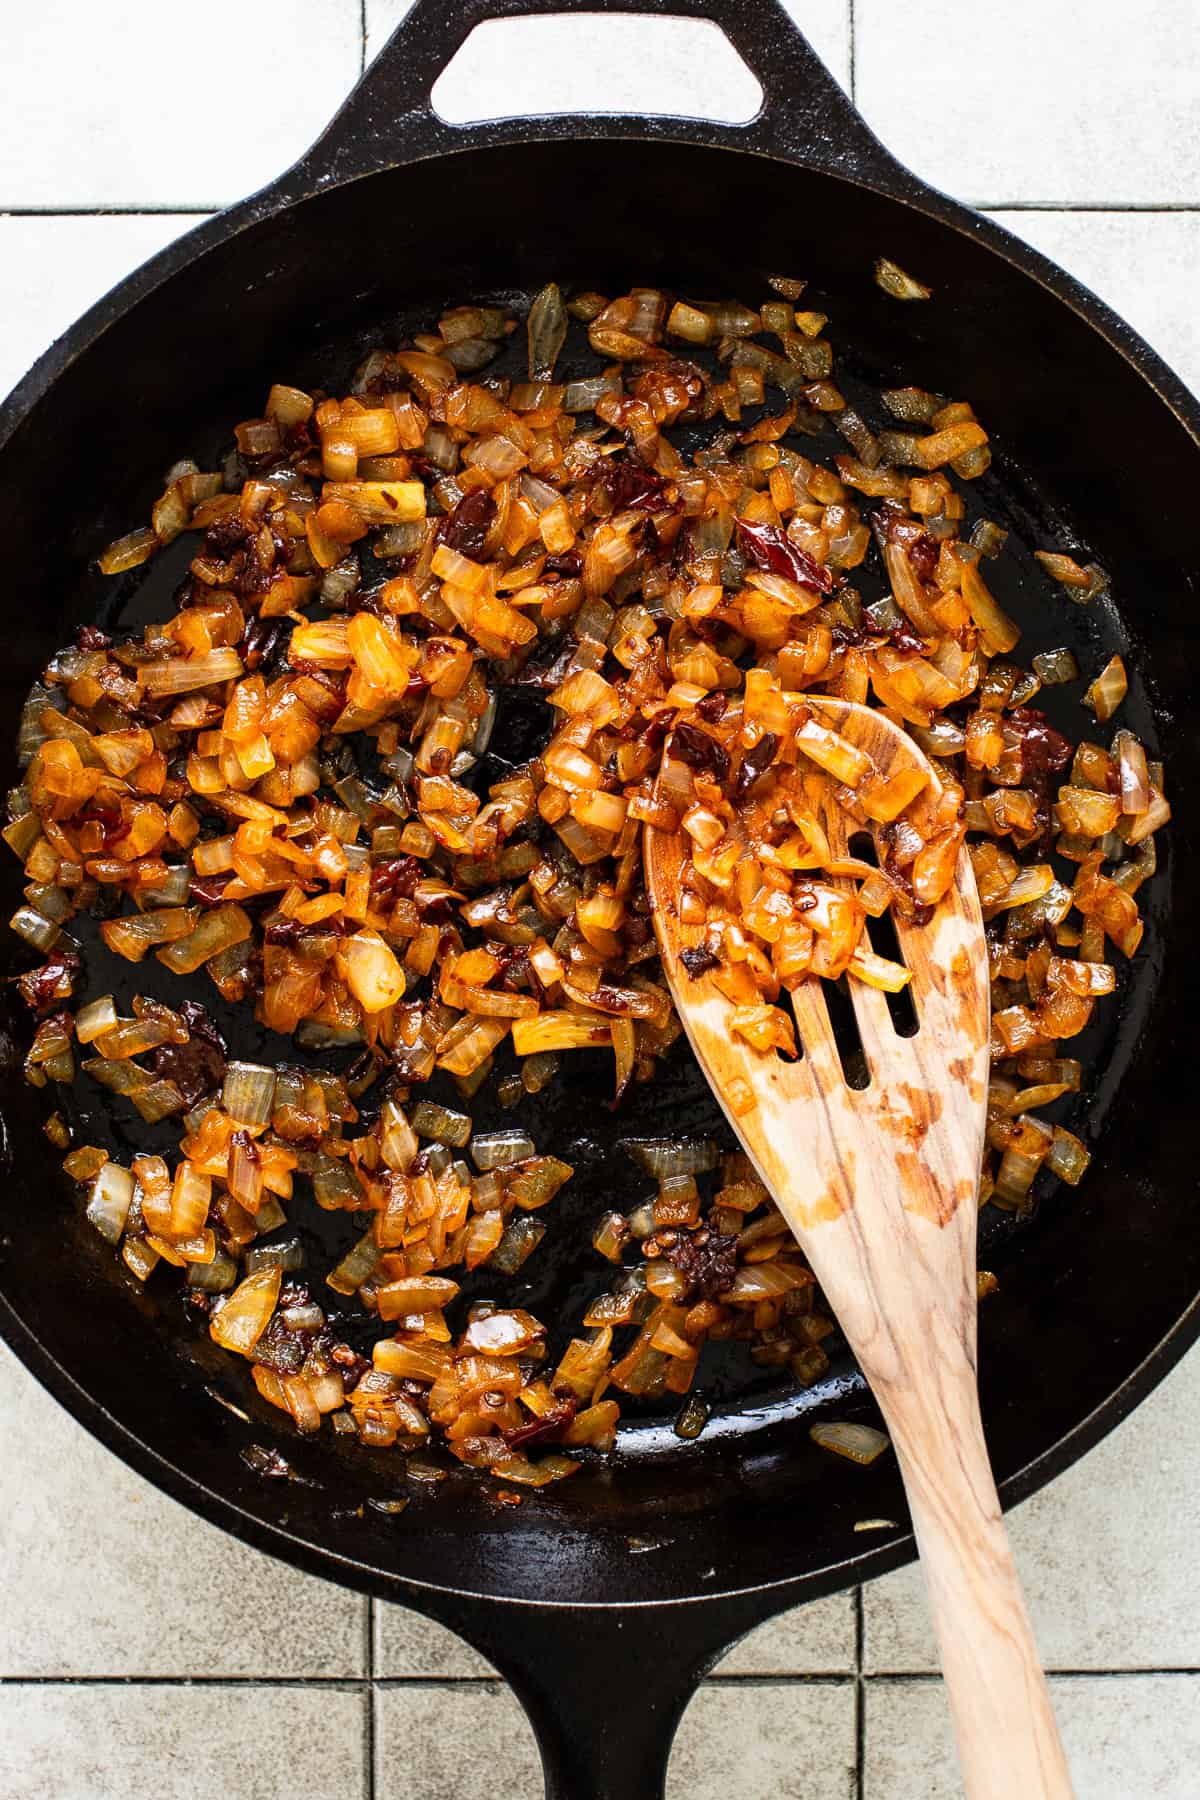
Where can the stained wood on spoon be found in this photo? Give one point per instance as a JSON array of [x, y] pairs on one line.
[[879, 1185]]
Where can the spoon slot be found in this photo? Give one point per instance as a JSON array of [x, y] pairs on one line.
[[828, 1030], [846, 1034], [885, 942]]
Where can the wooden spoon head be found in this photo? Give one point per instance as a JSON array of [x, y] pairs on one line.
[[916, 1130]]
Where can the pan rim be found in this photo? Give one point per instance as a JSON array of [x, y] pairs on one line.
[[290, 192], [904, 190], [325, 1560]]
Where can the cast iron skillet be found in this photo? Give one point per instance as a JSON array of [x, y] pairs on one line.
[[605, 1599]]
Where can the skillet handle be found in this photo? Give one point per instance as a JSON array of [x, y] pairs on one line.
[[605, 1687], [805, 116]]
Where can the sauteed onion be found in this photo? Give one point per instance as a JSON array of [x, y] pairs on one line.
[[286, 785]]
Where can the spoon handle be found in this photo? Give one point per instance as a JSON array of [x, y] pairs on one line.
[[1008, 1742]]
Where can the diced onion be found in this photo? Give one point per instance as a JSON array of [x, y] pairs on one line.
[[438, 1122], [1108, 689], [497, 1149], [287, 1255], [36, 929], [859, 1443], [371, 971], [110, 1200], [662, 1157], [184, 674], [893, 280], [243, 1317], [248, 1093], [93, 1020]]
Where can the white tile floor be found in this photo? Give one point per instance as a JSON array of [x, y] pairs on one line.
[[125, 1671]]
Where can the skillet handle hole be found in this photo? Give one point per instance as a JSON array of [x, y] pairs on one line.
[[593, 62]]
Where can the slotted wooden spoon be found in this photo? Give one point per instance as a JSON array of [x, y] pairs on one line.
[[879, 1186]]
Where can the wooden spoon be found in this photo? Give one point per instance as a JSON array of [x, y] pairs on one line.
[[879, 1187]]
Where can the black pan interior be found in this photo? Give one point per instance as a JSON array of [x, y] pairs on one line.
[[1089, 458]]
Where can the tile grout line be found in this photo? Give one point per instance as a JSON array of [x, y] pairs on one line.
[[915, 1678], [860, 1697], [351, 1683], [366, 1684], [362, 26], [369, 1663], [332, 1683], [853, 20], [116, 210], [1085, 206], [823, 1678], [207, 208]]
